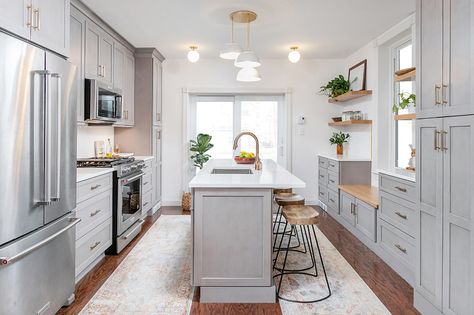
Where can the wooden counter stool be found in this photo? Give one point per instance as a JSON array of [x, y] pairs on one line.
[[277, 191], [305, 217], [286, 199]]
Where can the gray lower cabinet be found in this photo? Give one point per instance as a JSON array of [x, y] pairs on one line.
[[359, 214], [445, 277], [232, 238]]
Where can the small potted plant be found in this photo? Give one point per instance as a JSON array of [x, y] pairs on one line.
[[339, 139], [406, 100], [199, 147], [337, 86]]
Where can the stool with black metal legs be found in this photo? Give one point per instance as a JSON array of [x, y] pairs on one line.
[[276, 192], [305, 217], [285, 199]]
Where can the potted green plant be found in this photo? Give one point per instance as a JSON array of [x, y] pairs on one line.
[[337, 86], [406, 100], [199, 147], [339, 139]]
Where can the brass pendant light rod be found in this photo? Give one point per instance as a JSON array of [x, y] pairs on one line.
[[243, 16]]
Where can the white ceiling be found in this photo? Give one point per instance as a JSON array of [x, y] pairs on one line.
[[322, 28]]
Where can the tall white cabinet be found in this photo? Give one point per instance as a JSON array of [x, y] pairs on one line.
[[445, 152]]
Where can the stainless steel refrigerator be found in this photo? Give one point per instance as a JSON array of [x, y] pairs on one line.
[[38, 179]]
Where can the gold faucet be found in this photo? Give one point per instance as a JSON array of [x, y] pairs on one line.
[[258, 162]]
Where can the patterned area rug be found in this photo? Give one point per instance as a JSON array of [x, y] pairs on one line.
[[155, 278], [350, 294]]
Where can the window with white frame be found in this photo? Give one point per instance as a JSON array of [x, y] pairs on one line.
[[404, 128], [225, 116]]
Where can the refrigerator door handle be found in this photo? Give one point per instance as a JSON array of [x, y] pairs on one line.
[[4, 261], [45, 101], [57, 189]]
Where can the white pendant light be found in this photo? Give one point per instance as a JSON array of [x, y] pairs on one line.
[[193, 54], [248, 75], [231, 50], [294, 55], [247, 59]]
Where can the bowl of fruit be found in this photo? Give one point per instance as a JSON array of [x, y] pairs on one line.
[[245, 158]]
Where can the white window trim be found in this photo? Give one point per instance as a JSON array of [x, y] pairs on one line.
[[187, 132]]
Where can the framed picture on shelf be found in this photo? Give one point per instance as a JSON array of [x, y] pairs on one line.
[[357, 76]]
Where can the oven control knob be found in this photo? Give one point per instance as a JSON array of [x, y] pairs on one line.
[[126, 169], [134, 167]]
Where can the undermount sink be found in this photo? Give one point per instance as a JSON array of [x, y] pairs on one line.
[[246, 171]]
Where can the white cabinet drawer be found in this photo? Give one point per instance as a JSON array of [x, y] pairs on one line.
[[333, 200], [323, 194], [92, 245], [397, 243], [398, 212], [398, 187], [323, 162], [147, 203], [92, 212], [91, 187], [333, 166], [147, 182], [333, 180], [323, 176]]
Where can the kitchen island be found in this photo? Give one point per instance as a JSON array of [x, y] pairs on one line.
[[232, 230]]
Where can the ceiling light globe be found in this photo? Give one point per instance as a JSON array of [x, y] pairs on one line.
[[248, 75], [294, 55], [231, 51], [193, 55], [247, 59]]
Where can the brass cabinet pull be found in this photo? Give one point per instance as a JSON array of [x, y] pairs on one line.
[[95, 245], [353, 209], [401, 215], [95, 187], [401, 189], [95, 213], [29, 22], [436, 140], [99, 71], [437, 90], [103, 71], [403, 250], [332, 200], [443, 94], [37, 20], [443, 140]]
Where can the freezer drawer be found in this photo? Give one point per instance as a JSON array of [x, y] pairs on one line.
[[38, 270]]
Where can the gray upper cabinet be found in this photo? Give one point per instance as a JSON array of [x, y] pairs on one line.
[[445, 58], [77, 48], [124, 80], [157, 91], [119, 67], [92, 59], [44, 22], [106, 56]]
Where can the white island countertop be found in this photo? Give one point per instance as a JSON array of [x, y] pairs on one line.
[[272, 175], [345, 158], [84, 173]]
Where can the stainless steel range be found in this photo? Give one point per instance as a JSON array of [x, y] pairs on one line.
[[127, 198]]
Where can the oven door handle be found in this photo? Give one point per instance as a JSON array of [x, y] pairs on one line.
[[131, 179]]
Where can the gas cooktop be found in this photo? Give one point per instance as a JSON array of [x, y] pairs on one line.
[[103, 162]]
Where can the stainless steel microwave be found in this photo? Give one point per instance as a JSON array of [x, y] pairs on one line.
[[103, 104]]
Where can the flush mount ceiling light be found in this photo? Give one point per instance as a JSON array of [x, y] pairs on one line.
[[246, 59], [294, 55], [231, 50], [248, 75], [193, 54]]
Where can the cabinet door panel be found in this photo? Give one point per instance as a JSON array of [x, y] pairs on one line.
[[157, 91], [53, 28], [92, 50], [129, 89], [77, 54], [119, 67], [346, 207], [430, 60], [106, 53], [157, 164], [366, 219], [429, 207], [458, 55], [458, 191], [17, 18]]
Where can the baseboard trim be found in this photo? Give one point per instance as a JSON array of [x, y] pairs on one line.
[[423, 305], [171, 203]]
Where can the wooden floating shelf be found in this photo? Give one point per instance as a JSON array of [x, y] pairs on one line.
[[349, 96], [350, 122], [405, 74], [405, 117]]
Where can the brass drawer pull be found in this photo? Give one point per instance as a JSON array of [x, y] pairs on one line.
[[332, 181], [401, 215], [145, 183], [95, 187], [332, 200], [437, 98], [403, 250], [95, 245], [95, 212], [145, 204], [401, 189], [443, 94]]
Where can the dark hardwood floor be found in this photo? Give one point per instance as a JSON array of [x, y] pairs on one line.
[[391, 289]]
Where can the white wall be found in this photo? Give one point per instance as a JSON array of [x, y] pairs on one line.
[[86, 135], [304, 79]]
